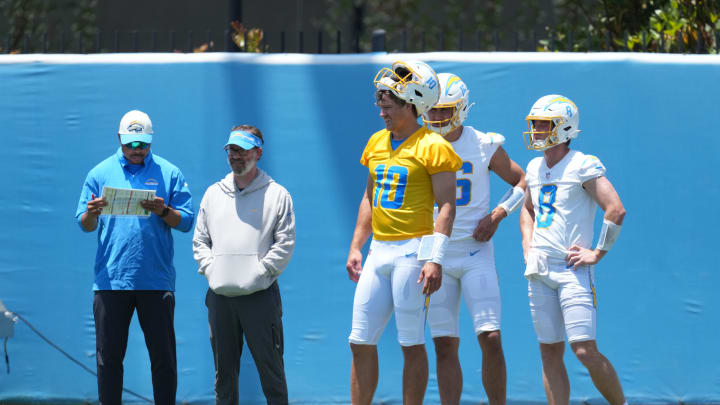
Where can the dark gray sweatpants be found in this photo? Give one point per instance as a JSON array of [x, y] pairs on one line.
[[257, 318]]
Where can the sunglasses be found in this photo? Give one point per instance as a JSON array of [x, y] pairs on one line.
[[137, 145], [237, 150]]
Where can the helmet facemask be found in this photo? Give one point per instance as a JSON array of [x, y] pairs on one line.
[[395, 80], [563, 116], [454, 97], [551, 138], [443, 126]]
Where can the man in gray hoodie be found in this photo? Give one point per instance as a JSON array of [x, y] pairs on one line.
[[244, 237]]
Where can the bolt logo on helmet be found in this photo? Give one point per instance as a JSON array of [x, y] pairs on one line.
[[411, 81], [564, 121], [453, 94]]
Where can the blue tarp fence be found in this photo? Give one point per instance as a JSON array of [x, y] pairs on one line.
[[651, 119]]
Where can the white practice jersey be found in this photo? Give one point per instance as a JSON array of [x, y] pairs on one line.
[[564, 211], [475, 148]]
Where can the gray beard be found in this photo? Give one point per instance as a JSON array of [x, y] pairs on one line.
[[248, 167]]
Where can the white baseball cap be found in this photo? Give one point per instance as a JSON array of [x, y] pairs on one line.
[[135, 126]]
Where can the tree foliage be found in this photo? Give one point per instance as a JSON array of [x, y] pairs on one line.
[[581, 25], [84, 25], [413, 25], [254, 37], [686, 26], [28, 19], [25, 18]]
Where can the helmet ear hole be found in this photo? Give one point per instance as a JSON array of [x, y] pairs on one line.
[[417, 93], [567, 128]]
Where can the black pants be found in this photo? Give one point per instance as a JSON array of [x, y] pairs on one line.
[[257, 317], [113, 311]]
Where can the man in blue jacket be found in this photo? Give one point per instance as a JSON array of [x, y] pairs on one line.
[[134, 261]]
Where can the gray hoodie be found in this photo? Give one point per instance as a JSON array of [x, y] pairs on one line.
[[244, 239]]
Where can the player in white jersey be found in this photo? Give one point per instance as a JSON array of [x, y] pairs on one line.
[[565, 187], [469, 266]]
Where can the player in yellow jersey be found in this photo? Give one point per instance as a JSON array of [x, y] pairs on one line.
[[410, 169]]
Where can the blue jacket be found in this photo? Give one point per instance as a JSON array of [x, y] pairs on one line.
[[136, 253]]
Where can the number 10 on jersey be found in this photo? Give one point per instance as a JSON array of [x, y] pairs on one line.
[[390, 181]]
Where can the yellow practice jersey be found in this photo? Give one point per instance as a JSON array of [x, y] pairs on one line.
[[402, 199]]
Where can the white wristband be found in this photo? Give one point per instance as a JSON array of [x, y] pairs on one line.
[[512, 199], [608, 235], [440, 242], [432, 248]]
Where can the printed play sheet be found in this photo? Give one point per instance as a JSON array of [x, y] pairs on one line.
[[126, 202]]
